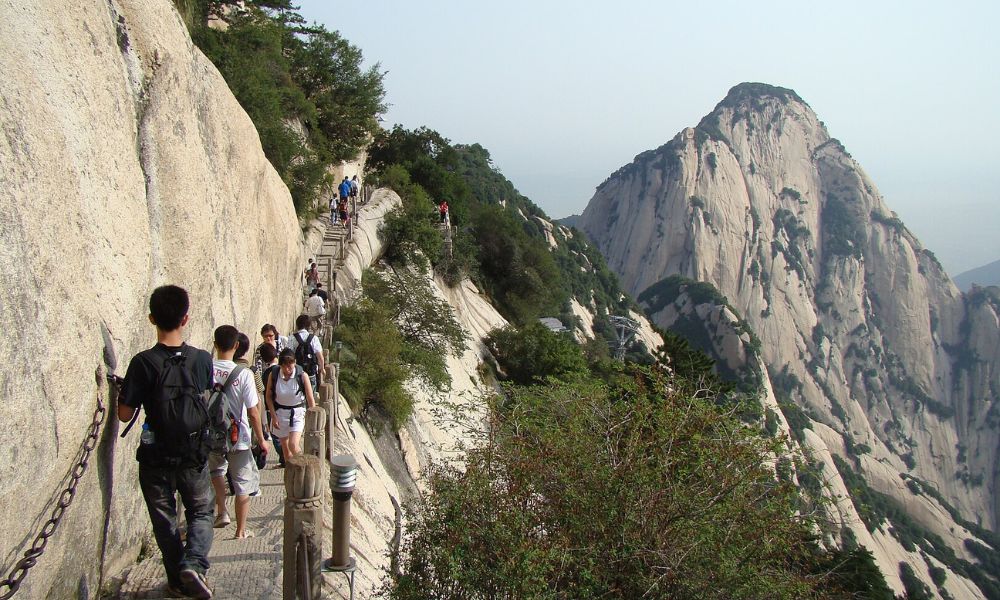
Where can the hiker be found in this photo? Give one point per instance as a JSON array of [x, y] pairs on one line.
[[269, 335], [345, 216], [322, 293], [307, 349], [344, 189], [312, 275], [443, 209], [333, 210], [243, 417], [354, 188], [240, 358], [170, 382], [269, 357], [316, 309], [289, 394]]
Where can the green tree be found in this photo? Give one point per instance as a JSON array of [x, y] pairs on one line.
[[303, 86], [518, 271], [533, 354], [409, 232], [631, 490], [373, 370], [425, 321]]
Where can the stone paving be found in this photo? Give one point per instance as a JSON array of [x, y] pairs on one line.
[[248, 568]]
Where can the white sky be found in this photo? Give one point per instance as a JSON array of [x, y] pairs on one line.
[[563, 93]]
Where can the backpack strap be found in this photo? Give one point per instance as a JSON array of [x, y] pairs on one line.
[[270, 371], [229, 384], [309, 339]]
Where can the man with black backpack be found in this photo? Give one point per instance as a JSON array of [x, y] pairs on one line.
[[307, 348], [170, 382]]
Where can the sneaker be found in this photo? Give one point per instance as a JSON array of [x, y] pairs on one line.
[[222, 520], [175, 591], [195, 584]]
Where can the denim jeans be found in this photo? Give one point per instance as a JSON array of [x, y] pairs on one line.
[[158, 489]]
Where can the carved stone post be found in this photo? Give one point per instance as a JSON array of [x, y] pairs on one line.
[[304, 483], [314, 433]]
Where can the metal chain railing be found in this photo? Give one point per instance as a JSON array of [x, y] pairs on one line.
[[10, 585]]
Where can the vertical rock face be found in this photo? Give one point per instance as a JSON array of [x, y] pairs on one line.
[[125, 163], [858, 324]]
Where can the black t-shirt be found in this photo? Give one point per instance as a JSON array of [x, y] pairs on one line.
[[144, 370], [322, 294]]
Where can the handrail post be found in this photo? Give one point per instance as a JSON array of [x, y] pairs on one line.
[[304, 483], [314, 436]]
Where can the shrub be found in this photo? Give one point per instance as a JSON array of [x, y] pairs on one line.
[[636, 489], [533, 354]]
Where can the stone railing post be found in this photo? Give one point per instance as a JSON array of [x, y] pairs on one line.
[[304, 484], [314, 433]]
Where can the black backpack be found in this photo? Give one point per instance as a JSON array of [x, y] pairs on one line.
[[225, 425], [177, 415], [305, 356]]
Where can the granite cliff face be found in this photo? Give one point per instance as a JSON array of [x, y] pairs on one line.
[[894, 370], [126, 164]]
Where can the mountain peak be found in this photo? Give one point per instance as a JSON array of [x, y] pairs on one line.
[[754, 92]]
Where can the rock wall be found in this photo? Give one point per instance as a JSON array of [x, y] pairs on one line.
[[126, 164], [857, 322]]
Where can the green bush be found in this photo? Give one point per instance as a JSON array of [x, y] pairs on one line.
[[631, 490], [533, 354], [372, 368]]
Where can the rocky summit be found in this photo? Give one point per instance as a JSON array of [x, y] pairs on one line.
[[758, 237]]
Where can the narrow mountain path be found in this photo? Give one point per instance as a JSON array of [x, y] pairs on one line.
[[251, 569]]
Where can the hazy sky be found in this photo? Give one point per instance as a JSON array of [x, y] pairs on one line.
[[563, 93]]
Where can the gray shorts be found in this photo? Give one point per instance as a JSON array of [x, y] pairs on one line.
[[242, 470]]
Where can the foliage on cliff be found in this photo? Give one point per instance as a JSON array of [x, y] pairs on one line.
[[398, 330], [636, 487], [303, 86], [501, 242]]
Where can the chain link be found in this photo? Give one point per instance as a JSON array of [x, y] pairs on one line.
[[9, 586]]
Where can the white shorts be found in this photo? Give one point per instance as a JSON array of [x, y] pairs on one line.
[[289, 420]]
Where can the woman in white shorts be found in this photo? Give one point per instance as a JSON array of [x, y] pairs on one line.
[[289, 394]]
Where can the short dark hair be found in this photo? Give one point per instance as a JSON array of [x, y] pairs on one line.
[[242, 345], [268, 327], [226, 337], [267, 353], [302, 322], [286, 357], [168, 304]]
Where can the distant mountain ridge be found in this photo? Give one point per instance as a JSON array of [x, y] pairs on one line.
[[758, 237], [985, 275]]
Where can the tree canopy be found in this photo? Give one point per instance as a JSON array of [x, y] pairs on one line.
[[303, 86]]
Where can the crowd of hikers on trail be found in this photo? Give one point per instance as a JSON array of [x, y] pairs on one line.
[[346, 191], [205, 435]]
